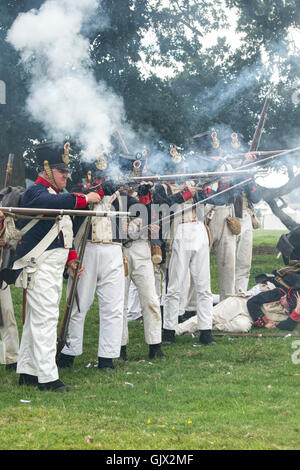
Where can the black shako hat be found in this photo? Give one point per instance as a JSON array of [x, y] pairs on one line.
[[52, 155], [215, 142], [103, 166], [133, 165]]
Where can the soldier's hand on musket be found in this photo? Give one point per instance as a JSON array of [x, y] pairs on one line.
[[250, 157], [193, 190], [1, 215], [73, 265], [93, 198]]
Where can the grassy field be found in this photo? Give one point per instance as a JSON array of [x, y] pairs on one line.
[[241, 394]]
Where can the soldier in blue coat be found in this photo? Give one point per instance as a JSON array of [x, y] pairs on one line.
[[43, 253]]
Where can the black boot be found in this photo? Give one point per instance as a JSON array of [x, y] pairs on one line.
[[55, 386], [65, 361], [168, 336], [162, 313], [123, 353], [289, 324], [206, 337], [155, 351], [105, 363], [27, 379], [12, 366]]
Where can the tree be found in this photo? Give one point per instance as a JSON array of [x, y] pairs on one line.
[[15, 125]]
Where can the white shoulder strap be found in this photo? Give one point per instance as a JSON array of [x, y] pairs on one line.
[[38, 250]]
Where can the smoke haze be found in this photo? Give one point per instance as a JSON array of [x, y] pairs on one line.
[[64, 95]]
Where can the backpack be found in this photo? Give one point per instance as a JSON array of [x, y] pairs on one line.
[[289, 245], [10, 197]]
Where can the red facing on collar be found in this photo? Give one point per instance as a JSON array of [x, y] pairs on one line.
[[46, 183]]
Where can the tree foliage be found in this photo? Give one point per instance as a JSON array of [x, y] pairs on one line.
[[202, 85]]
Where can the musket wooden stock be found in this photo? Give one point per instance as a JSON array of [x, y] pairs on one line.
[[7, 183], [64, 324]]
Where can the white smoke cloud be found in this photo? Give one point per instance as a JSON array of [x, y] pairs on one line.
[[64, 95]]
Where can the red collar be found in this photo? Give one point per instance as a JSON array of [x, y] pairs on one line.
[[43, 182]]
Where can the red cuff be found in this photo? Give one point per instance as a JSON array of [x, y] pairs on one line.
[[81, 201], [207, 191], [295, 316], [186, 194], [260, 323], [100, 192], [72, 255], [145, 199]]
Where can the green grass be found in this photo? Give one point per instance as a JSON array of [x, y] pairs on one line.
[[266, 237], [242, 393]]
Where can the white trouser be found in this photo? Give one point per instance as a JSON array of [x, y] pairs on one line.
[[160, 281], [244, 253], [224, 246], [229, 315], [190, 251], [141, 272], [188, 299], [38, 342], [9, 330], [133, 303], [104, 274]]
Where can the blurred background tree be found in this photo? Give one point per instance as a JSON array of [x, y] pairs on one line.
[[181, 67]]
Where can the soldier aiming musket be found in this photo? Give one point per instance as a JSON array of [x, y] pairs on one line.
[[44, 252]]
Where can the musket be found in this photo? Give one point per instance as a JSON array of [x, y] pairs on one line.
[[263, 160], [259, 129], [64, 324], [253, 147], [9, 170], [257, 335], [60, 212], [262, 153], [196, 204], [136, 180], [122, 142]]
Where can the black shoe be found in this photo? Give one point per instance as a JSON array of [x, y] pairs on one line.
[[168, 336], [123, 353], [27, 379], [65, 361], [105, 363], [206, 337], [55, 386], [162, 313], [12, 366], [155, 351], [289, 324]]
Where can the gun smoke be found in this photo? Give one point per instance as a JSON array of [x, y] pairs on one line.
[[64, 95]]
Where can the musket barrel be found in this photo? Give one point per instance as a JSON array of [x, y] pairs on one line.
[[263, 160], [58, 212], [205, 174]]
